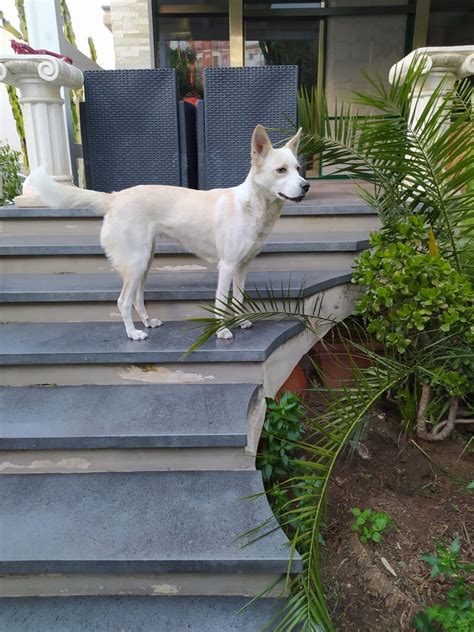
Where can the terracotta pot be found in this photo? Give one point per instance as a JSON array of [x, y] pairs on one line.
[[336, 361], [296, 383]]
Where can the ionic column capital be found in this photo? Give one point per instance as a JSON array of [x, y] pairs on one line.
[[457, 61], [16, 68]]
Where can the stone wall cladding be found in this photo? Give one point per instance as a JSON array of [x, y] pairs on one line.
[[131, 26]]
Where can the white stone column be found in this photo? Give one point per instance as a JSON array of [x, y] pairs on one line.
[[39, 79], [442, 63]]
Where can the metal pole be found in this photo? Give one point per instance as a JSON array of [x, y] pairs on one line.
[[422, 19], [236, 33]]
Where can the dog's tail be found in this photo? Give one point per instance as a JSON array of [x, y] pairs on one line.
[[65, 196]]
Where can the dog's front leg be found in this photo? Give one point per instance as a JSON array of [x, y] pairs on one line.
[[226, 272], [238, 291]]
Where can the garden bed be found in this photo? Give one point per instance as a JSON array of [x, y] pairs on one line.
[[428, 507]]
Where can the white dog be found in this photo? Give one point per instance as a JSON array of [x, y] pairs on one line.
[[223, 226]]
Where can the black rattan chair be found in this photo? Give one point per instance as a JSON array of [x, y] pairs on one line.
[[235, 100], [134, 131]]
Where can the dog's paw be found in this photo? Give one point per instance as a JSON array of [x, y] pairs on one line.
[[245, 324], [224, 334], [137, 334], [153, 322]]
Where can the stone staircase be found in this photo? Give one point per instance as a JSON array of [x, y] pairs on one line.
[[127, 469]]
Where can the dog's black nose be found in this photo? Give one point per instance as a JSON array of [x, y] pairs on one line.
[[305, 187]]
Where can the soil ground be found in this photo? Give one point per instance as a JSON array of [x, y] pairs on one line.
[[428, 507]]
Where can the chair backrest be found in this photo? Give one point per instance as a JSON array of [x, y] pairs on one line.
[[235, 100], [134, 132], [201, 145]]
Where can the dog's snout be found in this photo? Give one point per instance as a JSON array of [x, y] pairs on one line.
[[305, 187]]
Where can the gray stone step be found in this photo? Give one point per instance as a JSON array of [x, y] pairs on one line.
[[303, 217], [182, 286], [79, 245], [43, 298], [323, 197], [137, 523], [125, 417], [106, 343], [291, 251], [136, 614]]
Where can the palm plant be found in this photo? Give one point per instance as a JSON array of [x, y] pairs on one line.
[[418, 163], [311, 119], [305, 492], [417, 166]]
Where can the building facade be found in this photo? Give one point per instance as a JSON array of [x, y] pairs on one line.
[[332, 42]]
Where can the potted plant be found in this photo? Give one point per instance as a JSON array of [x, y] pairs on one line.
[[341, 354]]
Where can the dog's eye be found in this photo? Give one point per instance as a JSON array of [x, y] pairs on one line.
[[281, 170]]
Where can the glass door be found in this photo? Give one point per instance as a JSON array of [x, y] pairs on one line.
[[274, 35], [191, 37], [284, 33], [270, 42]]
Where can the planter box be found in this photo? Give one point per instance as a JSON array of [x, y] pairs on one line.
[[296, 383], [337, 360]]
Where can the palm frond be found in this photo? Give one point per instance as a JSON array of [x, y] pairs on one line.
[[332, 429], [275, 304], [417, 152]]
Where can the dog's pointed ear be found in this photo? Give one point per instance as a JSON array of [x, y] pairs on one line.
[[294, 142], [261, 144]]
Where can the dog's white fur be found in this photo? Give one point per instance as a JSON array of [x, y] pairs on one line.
[[223, 226]]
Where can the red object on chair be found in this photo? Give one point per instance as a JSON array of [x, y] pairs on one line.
[[192, 100], [23, 49]]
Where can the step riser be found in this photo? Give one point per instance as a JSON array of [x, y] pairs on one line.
[[91, 226], [243, 584], [175, 263], [100, 311], [113, 460], [326, 223], [94, 312]]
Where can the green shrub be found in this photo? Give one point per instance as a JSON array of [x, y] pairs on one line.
[[283, 426], [418, 304], [411, 293], [370, 524], [457, 615], [9, 171]]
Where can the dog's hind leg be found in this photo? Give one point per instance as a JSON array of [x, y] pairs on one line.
[[238, 292], [226, 272], [139, 302]]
